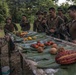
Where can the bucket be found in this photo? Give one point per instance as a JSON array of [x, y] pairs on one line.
[[5, 70]]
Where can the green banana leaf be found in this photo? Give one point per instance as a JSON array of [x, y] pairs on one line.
[[67, 70], [39, 57], [18, 40], [31, 49], [32, 33], [45, 59], [48, 65]]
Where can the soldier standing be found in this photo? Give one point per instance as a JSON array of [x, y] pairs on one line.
[[53, 23], [9, 26], [72, 24], [25, 25], [60, 13], [38, 25]]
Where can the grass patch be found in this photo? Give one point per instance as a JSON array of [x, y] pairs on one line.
[[19, 28], [1, 33]]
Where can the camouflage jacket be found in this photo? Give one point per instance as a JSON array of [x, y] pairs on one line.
[[65, 19], [10, 28], [72, 29], [38, 26], [54, 23], [25, 26]]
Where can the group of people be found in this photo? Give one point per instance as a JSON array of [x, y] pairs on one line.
[[57, 24], [52, 23], [10, 26]]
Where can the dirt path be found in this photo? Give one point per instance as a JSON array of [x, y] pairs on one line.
[[15, 62]]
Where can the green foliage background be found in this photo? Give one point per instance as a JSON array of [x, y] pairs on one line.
[[16, 8], [4, 10]]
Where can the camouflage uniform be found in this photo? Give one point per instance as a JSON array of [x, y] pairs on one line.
[[38, 26], [60, 13], [68, 30], [25, 26], [64, 32], [65, 19], [54, 23], [72, 29], [10, 28]]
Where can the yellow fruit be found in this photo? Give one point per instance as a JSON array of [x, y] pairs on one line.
[[29, 38]]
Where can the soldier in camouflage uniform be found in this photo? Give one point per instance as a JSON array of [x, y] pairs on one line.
[[38, 25], [60, 13], [64, 32], [25, 25], [53, 23], [72, 24], [70, 27], [9, 26]]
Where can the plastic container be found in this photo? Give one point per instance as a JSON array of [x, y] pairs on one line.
[[5, 70]]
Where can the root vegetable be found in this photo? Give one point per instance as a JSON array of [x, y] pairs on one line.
[[53, 51]]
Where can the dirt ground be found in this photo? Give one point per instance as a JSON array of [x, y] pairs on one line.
[[15, 62]]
